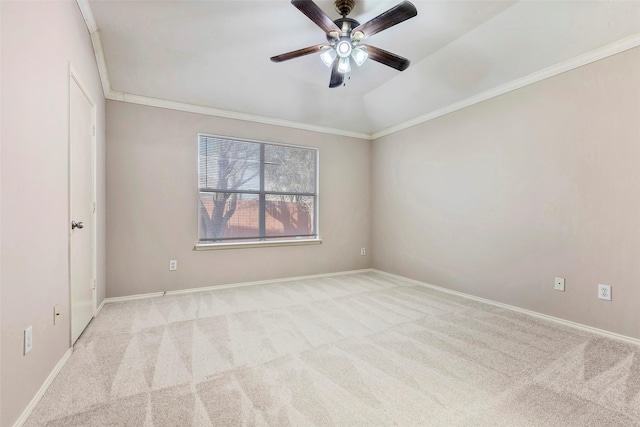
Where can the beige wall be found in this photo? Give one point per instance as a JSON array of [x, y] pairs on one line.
[[152, 201], [38, 40], [497, 199]]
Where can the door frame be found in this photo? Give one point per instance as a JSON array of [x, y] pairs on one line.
[[73, 78]]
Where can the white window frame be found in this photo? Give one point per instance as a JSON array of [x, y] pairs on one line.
[[201, 245]]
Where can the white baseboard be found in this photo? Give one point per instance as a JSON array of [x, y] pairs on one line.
[[104, 301], [36, 399], [264, 282], [233, 285], [568, 323], [532, 313], [133, 297]]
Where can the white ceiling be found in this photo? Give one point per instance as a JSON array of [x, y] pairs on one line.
[[216, 54]]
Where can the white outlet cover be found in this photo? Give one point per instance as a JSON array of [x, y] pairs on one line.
[[604, 292], [173, 265], [559, 284]]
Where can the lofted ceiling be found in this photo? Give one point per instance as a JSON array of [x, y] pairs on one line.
[[216, 54]]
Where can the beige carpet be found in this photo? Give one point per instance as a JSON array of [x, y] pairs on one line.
[[353, 350]]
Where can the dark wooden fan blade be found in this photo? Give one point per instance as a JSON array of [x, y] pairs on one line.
[[395, 15], [316, 14], [337, 78], [300, 52], [387, 58]]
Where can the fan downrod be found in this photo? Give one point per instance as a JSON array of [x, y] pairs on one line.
[[344, 7]]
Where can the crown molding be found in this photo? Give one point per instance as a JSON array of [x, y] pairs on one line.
[[109, 93], [562, 67], [210, 111], [579, 61], [87, 14], [89, 19]]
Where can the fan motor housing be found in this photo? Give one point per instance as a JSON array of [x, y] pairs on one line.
[[352, 23]]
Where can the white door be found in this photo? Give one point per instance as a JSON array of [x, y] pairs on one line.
[[82, 208]]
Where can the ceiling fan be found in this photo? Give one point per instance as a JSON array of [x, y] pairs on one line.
[[345, 35]]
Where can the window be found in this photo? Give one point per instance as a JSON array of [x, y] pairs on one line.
[[254, 191]]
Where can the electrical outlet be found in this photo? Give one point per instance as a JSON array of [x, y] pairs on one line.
[[28, 340], [363, 251], [604, 292], [559, 284], [56, 313], [173, 265]]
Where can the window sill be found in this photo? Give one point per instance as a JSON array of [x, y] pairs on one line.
[[243, 245]]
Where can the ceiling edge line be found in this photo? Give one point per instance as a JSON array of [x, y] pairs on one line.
[[568, 65], [216, 112], [96, 42]]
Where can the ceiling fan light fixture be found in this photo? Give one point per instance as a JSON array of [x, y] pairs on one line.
[[344, 36], [343, 48], [344, 66], [359, 55], [328, 56]]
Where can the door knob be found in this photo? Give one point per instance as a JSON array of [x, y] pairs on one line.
[[76, 224]]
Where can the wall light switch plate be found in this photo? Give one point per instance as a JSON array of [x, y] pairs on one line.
[[559, 284], [604, 292], [28, 340]]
